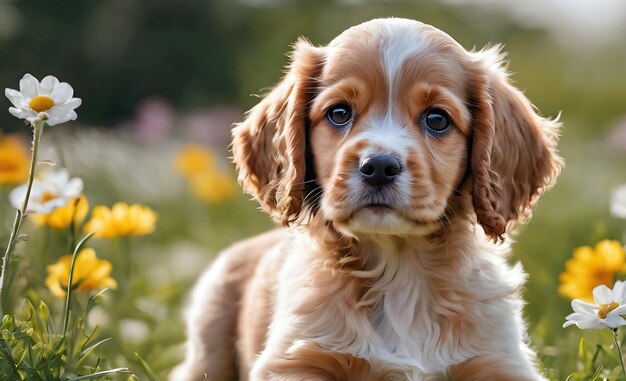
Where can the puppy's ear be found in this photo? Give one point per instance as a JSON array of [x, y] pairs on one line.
[[514, 157], [269, 145]]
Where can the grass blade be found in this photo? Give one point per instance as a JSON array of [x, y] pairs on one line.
[[100, 374], [149, 372]]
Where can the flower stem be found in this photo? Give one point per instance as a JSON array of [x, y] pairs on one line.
[[70, 280], [68, 296], [71, 230], [619, 350], [37, 131], [5, 285]]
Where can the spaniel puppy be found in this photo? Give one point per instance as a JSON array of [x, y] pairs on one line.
[[399, 162]]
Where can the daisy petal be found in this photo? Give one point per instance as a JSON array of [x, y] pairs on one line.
[[618, 202], [74, 187], [591, 324], [568, 323], [28, 86], [578, 316], [17, 196], [22, 113], [55, 117], [16, 98], [585, 321], [61, 93], [57, 178], [46, 208], [65, 109], [621, 310], [71, 115], [49, 206], [618, 289], [47, 84], [619, 294], [581, 306], [614, 320], [71, 104], [602, 295]]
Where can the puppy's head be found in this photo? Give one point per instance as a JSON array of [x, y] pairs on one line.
[[391, 128]]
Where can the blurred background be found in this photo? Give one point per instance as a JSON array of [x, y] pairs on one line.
[[158, 75]]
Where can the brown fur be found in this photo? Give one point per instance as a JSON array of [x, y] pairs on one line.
[[268, 147], [311, 363], [485, 369], [214, 328], [513, 155]]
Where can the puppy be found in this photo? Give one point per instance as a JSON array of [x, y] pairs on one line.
[[400, 162]]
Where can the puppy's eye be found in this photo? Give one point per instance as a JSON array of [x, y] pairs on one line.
[[340, 115], [436, 120]]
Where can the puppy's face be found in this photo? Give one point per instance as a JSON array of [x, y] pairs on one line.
[[396, 124], [389, 130]]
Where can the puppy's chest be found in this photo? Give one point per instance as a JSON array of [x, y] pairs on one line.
[[419, 325]]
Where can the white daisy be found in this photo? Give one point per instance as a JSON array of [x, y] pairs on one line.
[[53, 189], [607, 310], [618, 202], [48, 100]]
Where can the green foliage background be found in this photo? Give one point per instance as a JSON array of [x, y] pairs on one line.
[[199, 53]]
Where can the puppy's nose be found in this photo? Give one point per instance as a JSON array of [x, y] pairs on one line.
[[379, 170]]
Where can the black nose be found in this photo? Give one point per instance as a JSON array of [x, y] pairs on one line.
[[379, 170]]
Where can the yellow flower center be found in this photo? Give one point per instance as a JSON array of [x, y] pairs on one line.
[[47, 196], [606, 308], [41, 103]]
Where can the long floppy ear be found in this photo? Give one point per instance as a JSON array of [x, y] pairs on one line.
[[514, 157], [269, 145]]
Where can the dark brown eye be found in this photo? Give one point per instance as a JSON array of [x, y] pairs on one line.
[[339, 116], [435, 120]]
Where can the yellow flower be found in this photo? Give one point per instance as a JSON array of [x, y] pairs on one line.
[[89, 273], [194, 160], [213, 186], [14, 161], [121, 220], [60, 218], [591, 267]]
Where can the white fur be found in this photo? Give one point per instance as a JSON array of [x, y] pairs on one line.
[[399, 44]]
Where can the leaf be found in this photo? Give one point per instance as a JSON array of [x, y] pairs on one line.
[[599, 349], [5, 351], [59, 347], [100, 374], [83, 242], [93, 299], [597, 373], [44, 312], [87, 351], [582, 352], [149, 372]]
